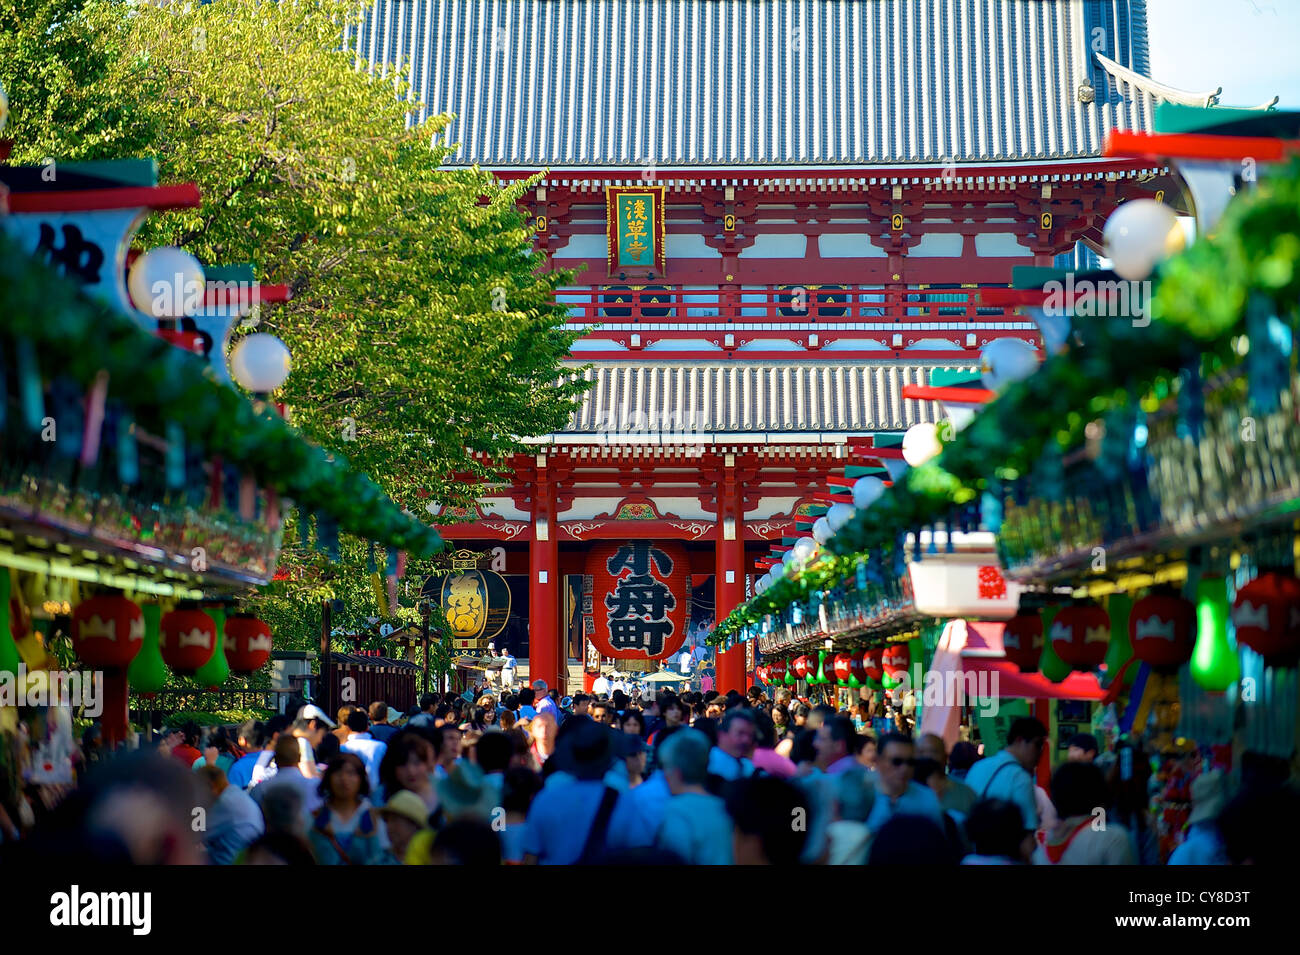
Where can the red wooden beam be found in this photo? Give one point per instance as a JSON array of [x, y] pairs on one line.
[[1197, 146], [182, 196], [968, 396]]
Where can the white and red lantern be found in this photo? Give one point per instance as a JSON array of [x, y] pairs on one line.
[[639, 596], [1162, 629], [1022, 640], [188, 639], [248, 643], [895, 660], [776, 670], [843, 664], [802, 665], [1080, 635], [873, 664], [107, 631], [1266, 615]]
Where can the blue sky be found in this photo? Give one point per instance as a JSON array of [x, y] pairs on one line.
[[1249, 47]]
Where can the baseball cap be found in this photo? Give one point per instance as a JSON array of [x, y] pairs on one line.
[[313, 712]]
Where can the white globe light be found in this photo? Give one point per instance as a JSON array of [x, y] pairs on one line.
[[804, 550], [1140, 234], [921, 443], [839, 515], [761, 584], [866, 491], [1007, 360], [260, 362], [821, 530], [167, 282]]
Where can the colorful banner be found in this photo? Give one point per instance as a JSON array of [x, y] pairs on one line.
[[635, 226], [635, 597]]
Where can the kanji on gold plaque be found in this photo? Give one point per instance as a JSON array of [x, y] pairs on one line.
[[635, 224]]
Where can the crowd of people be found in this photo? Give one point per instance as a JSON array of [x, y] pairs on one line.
[[697, 778]]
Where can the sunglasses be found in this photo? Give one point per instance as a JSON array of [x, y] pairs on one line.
[[902, 761]]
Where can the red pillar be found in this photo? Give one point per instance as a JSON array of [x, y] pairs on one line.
[[729, 582], [544, 644], [115, 722]]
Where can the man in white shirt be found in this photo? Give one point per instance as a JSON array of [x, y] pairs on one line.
[[601, 686], [1009, 774], [543, 702], [364, 745], [508, 670], [288, 774]]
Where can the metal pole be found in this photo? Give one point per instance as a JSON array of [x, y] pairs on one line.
[[323, 691]]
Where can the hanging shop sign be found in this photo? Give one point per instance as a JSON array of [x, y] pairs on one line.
[[634, 598], [635, 225], [961, 585]]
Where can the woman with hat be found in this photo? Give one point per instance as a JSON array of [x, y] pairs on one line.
[[408, 765], [405, 817], [347, 831]]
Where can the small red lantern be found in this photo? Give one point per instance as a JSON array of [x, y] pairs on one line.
[[896, 659], [858, 667], [873, 663], [248, 643], [843, 666], [1022, 641], [188, 639], [1266, 614], [1080, 635], [1162, 628], [776, 670], [107, 631], [801, 665]]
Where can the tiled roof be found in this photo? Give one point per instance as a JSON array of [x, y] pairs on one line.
[[666, 403], [764, 82]]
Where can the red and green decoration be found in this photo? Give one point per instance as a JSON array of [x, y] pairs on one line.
[[1080, 635], [1022, 640], [248, 643], [1266, 615], [147, 673], [189, 637], [107, 631], [894, 660], [1162, 629]]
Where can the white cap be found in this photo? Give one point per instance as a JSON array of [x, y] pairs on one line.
[[313, 712]]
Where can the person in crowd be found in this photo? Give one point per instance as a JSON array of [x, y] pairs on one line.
[[187, 749], [581, 704], [837, 746], [425, 718], [633, 722], [381, 721], [1203, 842], [695, 824], [218, 750], [252, 738], [1081, 748], [603, 712], [544, 702], [764, 811], [633, 752], [347, 830], [468, 843], [907, 839], [869, 752], [731, 757], [673, 713], [853, 794], [467, 793], [232, 820], [519, 787], [897, 793], [265, 767], [1083, 835], [995, 830], [963, 756], [447, 740], [341, 732], [288, 773], [765, 757], [1009, 774], [526, 709], [639, 812], [284, 810], [407, 765], [569, 819], [361, 743], [508, 669], [310, 729], [279, 848], [954, 796], [781, 721]]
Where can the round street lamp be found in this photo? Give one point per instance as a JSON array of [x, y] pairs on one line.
[[260, 363]]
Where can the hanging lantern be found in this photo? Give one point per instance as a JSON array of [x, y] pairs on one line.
[[248, 643], [1119, 607], [776, 670], [895, 660], [216, 671], [147, 674], [873, 663], [107, 631], [1266, 614], [1022, 640], [843, 666], [640, 598], [820, 677], [189, 637], [801, 666], [1080, 635], [1162, 627], [476, 604], [858, 669], [1214, 663]]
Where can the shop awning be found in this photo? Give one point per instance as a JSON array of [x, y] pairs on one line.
[[1011, 683]]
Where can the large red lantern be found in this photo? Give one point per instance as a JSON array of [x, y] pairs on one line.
[[858, 667], [1162, 629], [1266, 615], [248, 643], [776, 670], [107, 631], [1080, 635], [189, 637], [801, 665], [895, 660], [1022, 641], [873, 663], [635, 598], [843, 664]]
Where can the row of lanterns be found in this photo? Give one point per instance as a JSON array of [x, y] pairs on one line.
[[110, 632], [1166, 631], [874, 667]]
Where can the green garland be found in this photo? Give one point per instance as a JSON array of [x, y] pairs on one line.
[[79, 337], [1197, 312]]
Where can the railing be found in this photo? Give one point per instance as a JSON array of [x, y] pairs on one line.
[[778, 303]]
